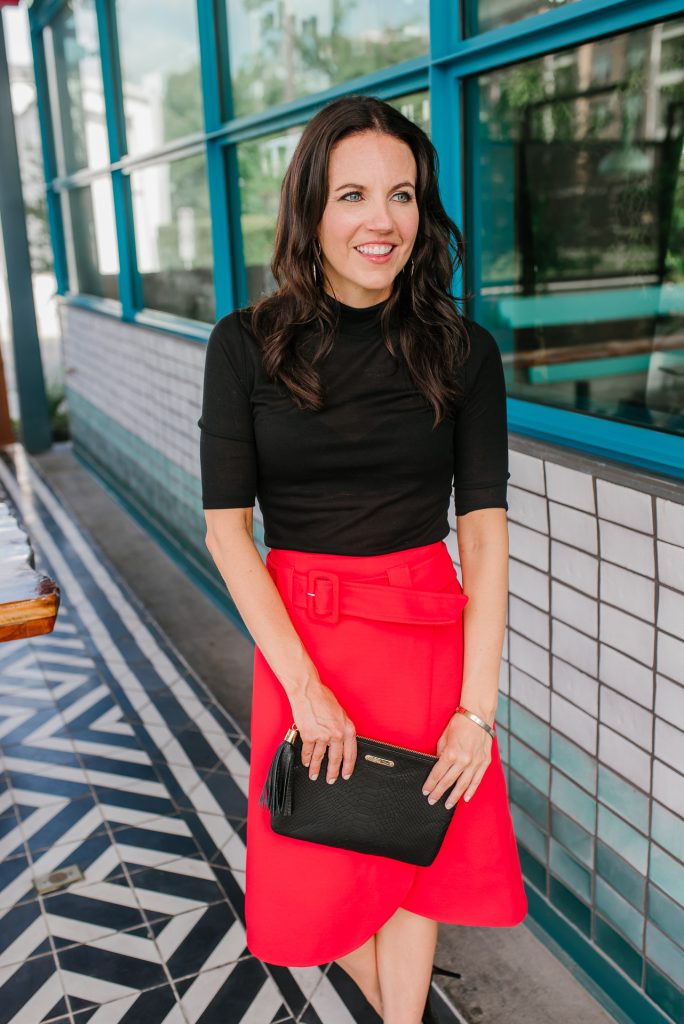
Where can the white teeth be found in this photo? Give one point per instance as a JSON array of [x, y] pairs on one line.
[[375, 250]]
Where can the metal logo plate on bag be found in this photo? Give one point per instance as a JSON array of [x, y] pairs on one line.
[[379, 760]]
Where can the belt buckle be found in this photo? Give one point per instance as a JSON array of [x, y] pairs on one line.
[[334, 613]]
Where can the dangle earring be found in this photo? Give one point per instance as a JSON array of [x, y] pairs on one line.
[[317, 252]]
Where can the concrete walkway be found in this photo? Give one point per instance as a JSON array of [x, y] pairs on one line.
[[507, 974]]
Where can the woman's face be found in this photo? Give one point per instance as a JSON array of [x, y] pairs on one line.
[[371, 201]]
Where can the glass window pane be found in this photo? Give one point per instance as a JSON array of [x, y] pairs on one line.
[[90, 231], [173, 237], [261, 166], [72, 55], [282, 51], [482, 15], [159, 53], [577, 234]]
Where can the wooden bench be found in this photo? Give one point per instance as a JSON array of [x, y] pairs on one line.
[[29, 601]]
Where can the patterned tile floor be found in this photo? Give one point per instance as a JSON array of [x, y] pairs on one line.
[[116, 758]]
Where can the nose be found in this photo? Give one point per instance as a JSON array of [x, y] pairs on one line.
[[379, 216]]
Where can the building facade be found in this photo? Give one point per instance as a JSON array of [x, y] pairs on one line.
[[166, 129]]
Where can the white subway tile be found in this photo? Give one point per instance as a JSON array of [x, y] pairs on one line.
[[670, 565], [504, 677], [526, 471], [532, 694], [528, 583], [670, 521], [574, 567], [570, 486], [627, 547], [574, 608], [624, 716], [669, 744], [529, 546], [669, 701], [628, 590], [627, 634], [624, 505], [573, 527], [573, 722], [528, 509], [671, 611], [626, 675], [574, 647], [670, 657], [529, 657], [574, 685], [625, 757], [668, 787], [529, 621]]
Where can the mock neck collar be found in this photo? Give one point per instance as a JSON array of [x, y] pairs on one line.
[[355, 316]]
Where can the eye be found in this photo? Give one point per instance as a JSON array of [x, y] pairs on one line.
[[408, 195], [347, 194]]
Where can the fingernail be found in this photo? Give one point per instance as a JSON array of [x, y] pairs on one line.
[[425, 792], [431, 800], [314, 777], [330, 781], [346, 776]]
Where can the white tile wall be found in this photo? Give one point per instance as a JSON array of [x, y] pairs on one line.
[[669, 744], [528, 620], [526, 471], [575, 608], [671, 611], [670, 656], [628, 590], [574, 527], [670, 565], [626, 675], [574, 685], [573, 722], [627, 634], [625, 505], [529, 546], [625, 757], [573, 646], [532, 694], [528, 656], [574, 567], [530, 584], [570, 487], [627, 547], [626, 717], [669, 701], [670, 521], [668, 787], [527, 509]]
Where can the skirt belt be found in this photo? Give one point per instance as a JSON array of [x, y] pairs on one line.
[[325, 597]]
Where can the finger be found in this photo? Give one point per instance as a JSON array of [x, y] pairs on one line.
[[465, 780], [477, 779], [317, 756], [335, 752], [307, 751], [350, 750], [444, 767], [446, 782]]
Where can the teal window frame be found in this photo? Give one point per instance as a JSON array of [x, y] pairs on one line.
[[450, 61]]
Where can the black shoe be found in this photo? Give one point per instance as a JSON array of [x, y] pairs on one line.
[[428, 1013]]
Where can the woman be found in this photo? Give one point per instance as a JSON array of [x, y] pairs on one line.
[[350, 402]]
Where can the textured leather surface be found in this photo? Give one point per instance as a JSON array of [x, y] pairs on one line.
[[379, 810]]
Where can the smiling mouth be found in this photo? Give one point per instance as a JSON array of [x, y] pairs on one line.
[[375, 250]]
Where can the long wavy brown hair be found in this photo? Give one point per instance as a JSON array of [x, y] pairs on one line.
[[431, 335]]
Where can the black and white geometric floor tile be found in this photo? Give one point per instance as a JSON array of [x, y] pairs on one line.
[[115, 757]]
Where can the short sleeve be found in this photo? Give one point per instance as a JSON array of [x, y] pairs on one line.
[[481, 430], [228, 459]]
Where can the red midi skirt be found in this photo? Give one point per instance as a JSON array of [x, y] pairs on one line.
[[396, 667]]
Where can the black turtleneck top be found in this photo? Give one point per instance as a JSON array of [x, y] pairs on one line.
[[367, 474]]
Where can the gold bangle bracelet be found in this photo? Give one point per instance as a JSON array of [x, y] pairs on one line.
[[460, 710]]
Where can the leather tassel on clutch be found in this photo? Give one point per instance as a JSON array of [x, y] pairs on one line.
[[277, 791]]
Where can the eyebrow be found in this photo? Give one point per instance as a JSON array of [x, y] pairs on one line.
[[351, 184]]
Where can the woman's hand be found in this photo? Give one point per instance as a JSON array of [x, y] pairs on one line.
[[322, 724], [465, 751]]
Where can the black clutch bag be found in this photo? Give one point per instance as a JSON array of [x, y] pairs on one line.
[[380, 809]]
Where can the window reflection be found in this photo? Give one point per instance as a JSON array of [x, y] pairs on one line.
[[72, 56], [281, 50], [578, 247], [173, 237], [159, 53], [483, 15], [90, 233]]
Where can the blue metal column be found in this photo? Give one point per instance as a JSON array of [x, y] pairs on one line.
[[35, 420]]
